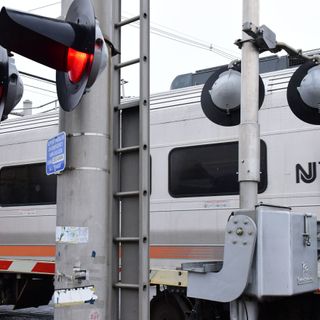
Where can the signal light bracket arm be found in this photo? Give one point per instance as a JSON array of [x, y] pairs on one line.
[[265, 40], [234, 63], [296, 53], [114, 51]]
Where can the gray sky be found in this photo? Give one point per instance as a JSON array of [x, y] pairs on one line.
[[209, 22]]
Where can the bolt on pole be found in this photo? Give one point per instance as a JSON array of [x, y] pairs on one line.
[[249, 140]]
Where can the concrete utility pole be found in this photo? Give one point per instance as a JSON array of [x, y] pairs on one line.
[[246, 308], [249, 136], [82, 260]]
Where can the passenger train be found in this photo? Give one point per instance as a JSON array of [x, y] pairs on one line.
[[194, 180]]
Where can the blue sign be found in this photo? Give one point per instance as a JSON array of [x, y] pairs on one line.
[[56, 154]]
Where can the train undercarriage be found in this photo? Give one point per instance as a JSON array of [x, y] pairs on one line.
[[25, 290], [173, 304]]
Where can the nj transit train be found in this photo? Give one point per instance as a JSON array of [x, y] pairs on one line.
[[194, 183]]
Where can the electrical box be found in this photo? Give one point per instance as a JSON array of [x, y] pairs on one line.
[[285, 261]]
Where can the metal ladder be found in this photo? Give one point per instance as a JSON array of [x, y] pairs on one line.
[[131, 180]]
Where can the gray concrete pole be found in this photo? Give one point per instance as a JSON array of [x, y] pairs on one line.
[[82, 195], [249, 140]]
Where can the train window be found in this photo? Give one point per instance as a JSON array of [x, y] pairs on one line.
[[26, 185], [209, 170]]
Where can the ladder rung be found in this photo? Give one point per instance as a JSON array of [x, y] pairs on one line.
[[126, 285], [126, 239], [127, 21], [127, 63], [123, 194], [128, 105], [127, 149]]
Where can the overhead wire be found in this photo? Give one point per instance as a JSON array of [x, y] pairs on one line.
[[177, 36], [43, 7], [173, 35], [39, 107], [33, 76], [49, 110], [208, 47], [39, 88], [193, 41], [41, 94], [225, 50], [156, 29], [40, 79]]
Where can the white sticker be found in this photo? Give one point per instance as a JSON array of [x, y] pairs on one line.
[[74, 296], [72, 234], [216, 204]]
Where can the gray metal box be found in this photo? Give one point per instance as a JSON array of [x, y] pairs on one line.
[[285, 261]]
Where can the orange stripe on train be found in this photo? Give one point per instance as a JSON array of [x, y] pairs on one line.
[[156, 252], [28, 251], [186, 252]]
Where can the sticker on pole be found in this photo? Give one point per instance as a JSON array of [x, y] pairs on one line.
[[56, 154], [73, 296]]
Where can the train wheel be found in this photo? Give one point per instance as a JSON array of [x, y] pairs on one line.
[[170, 306]]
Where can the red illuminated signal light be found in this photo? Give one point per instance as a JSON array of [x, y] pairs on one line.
[[49, 41], [77, 64]]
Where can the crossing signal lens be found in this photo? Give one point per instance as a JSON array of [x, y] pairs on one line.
[[78, 64]]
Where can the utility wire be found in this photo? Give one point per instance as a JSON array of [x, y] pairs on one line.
[[39, 107], [228, 51], [52, 109], [30, 75], [186, 39], [46, 6], [193, 43], [38, 78], [39, 93], [39, 88], [173, 35], [51, 94]]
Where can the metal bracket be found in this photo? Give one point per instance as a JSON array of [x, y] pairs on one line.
[[114, 50], [262, 37], [265, 40], [234, 63], [230, 282], [178, 278], [250, 29]]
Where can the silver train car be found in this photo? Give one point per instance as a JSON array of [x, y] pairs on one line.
[[194, 180]]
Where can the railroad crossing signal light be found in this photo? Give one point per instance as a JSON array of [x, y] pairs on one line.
[[303, 92], [11, 87], [221, 95], [75, 48]]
